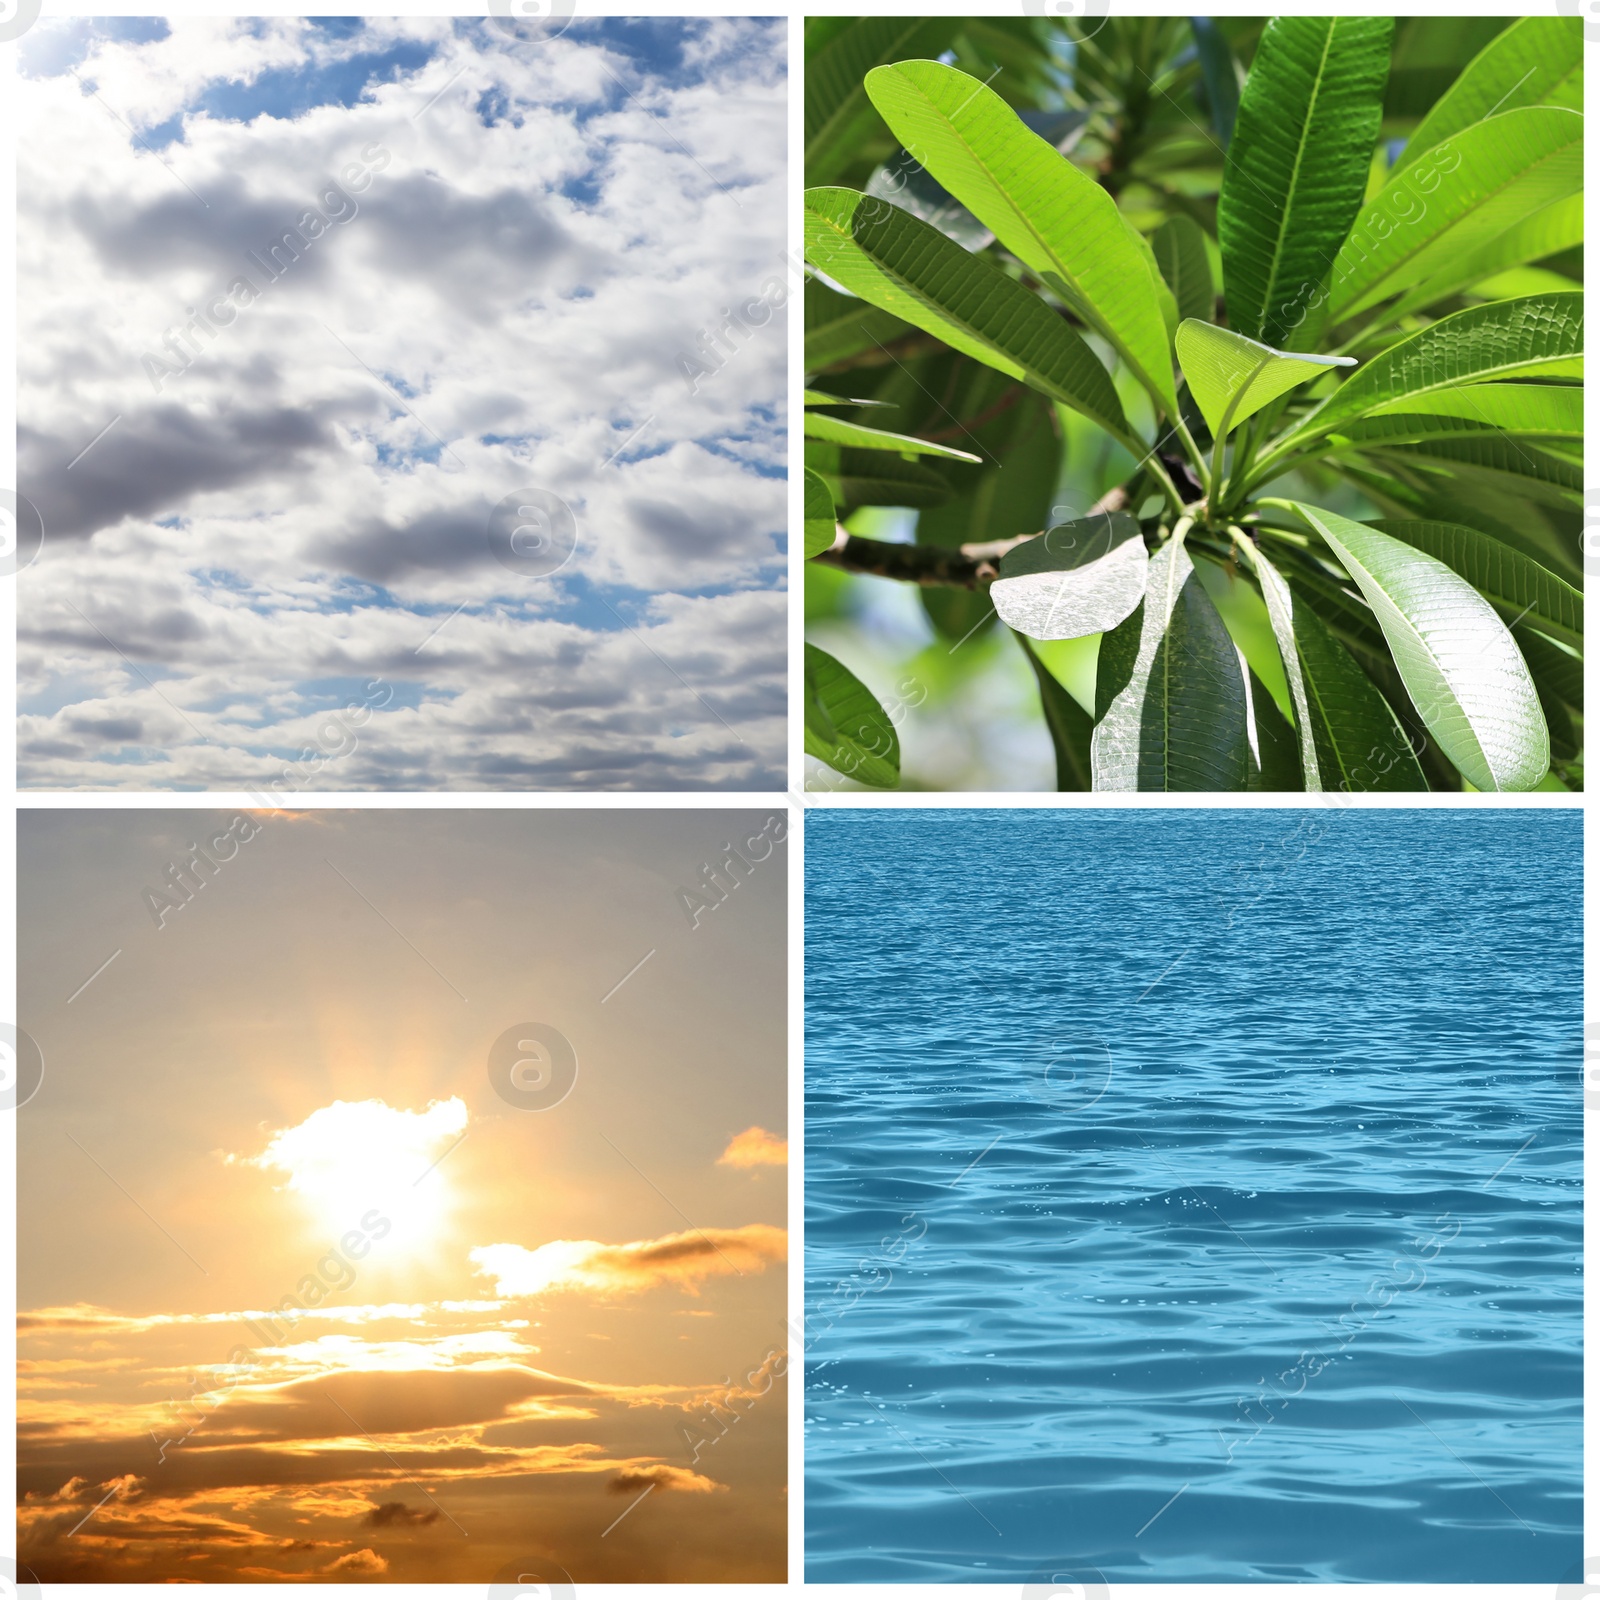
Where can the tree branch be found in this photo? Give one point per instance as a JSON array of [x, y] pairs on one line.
[[966, 566]]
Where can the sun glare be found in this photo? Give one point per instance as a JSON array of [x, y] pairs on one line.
[[354, 1157]]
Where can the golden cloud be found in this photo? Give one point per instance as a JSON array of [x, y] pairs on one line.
[[681, 1259], [358, 1561], [662, 1476], [755, 1147]]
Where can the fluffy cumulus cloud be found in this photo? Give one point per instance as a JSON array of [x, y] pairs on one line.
[[755, 1147], [337, 337]]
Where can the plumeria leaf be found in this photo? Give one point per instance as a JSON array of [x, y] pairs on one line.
[[1232, 377], [1170, 690], [1458, 662], [821, 520], [846, 726], [1057, 220], [1076, 579], [835, 430], [1297, 165]]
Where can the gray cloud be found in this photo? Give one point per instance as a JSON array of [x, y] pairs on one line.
[[436, 541], [154, 460]]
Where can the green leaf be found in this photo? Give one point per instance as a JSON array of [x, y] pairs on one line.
[[1532, 408], [819, 725], [1170, 691], [875, 478], [1539, 336], [839, 328], [1558, 671], [1429, 498], [1075, 579], [1232, 377], [1496, 460], [1536, 61], [862, 743], [1350, 739], [1509, 580], [1180, 251], [1548, 232], [1456, 199], [1374, 434], [1362, 746], [838, 116], [1430, 53], [902, 182], [1244, 614], [821, 397], [1070, 726], [1297, 167], [1052, 217], [1559, 680], [892, 259], [907, 184], [1274, 760], [1221, 75], [835, 430], [1458, 662], [1280, 612], [821, 521]]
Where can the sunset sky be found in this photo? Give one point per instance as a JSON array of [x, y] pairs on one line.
[[517, 1322]]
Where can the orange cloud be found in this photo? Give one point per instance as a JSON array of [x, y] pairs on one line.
[[682, 1259], [358, 1561], [755, 1147], [664, 1477]]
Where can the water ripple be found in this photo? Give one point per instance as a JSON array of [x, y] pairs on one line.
[[1193, 1195]]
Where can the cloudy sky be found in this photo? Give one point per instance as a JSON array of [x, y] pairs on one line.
[[269, 471], [303, 1295]]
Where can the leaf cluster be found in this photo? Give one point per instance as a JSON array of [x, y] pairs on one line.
[[1304, 295]]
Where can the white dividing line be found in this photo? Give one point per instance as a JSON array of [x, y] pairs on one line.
[[1162, 1509], [433, 102], [628, 974], [648, 1488], [92, 1509], [94, 441], [974, 1161], [93, 975], [626, 442]]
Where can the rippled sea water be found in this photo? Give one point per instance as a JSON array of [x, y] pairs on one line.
[[1231, 1156]]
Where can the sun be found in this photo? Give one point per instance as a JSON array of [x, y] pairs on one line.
[[354, 1157]]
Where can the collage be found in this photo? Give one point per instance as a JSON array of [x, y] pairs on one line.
[[797, 800]]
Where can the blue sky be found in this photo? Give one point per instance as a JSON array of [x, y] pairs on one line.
[[331, 290]]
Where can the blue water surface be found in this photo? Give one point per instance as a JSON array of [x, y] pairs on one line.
[[1193, 1195]]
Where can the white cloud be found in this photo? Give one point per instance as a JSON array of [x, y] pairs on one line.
[[287, 515]]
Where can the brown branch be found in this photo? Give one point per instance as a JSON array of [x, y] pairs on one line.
[[966, 566]]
